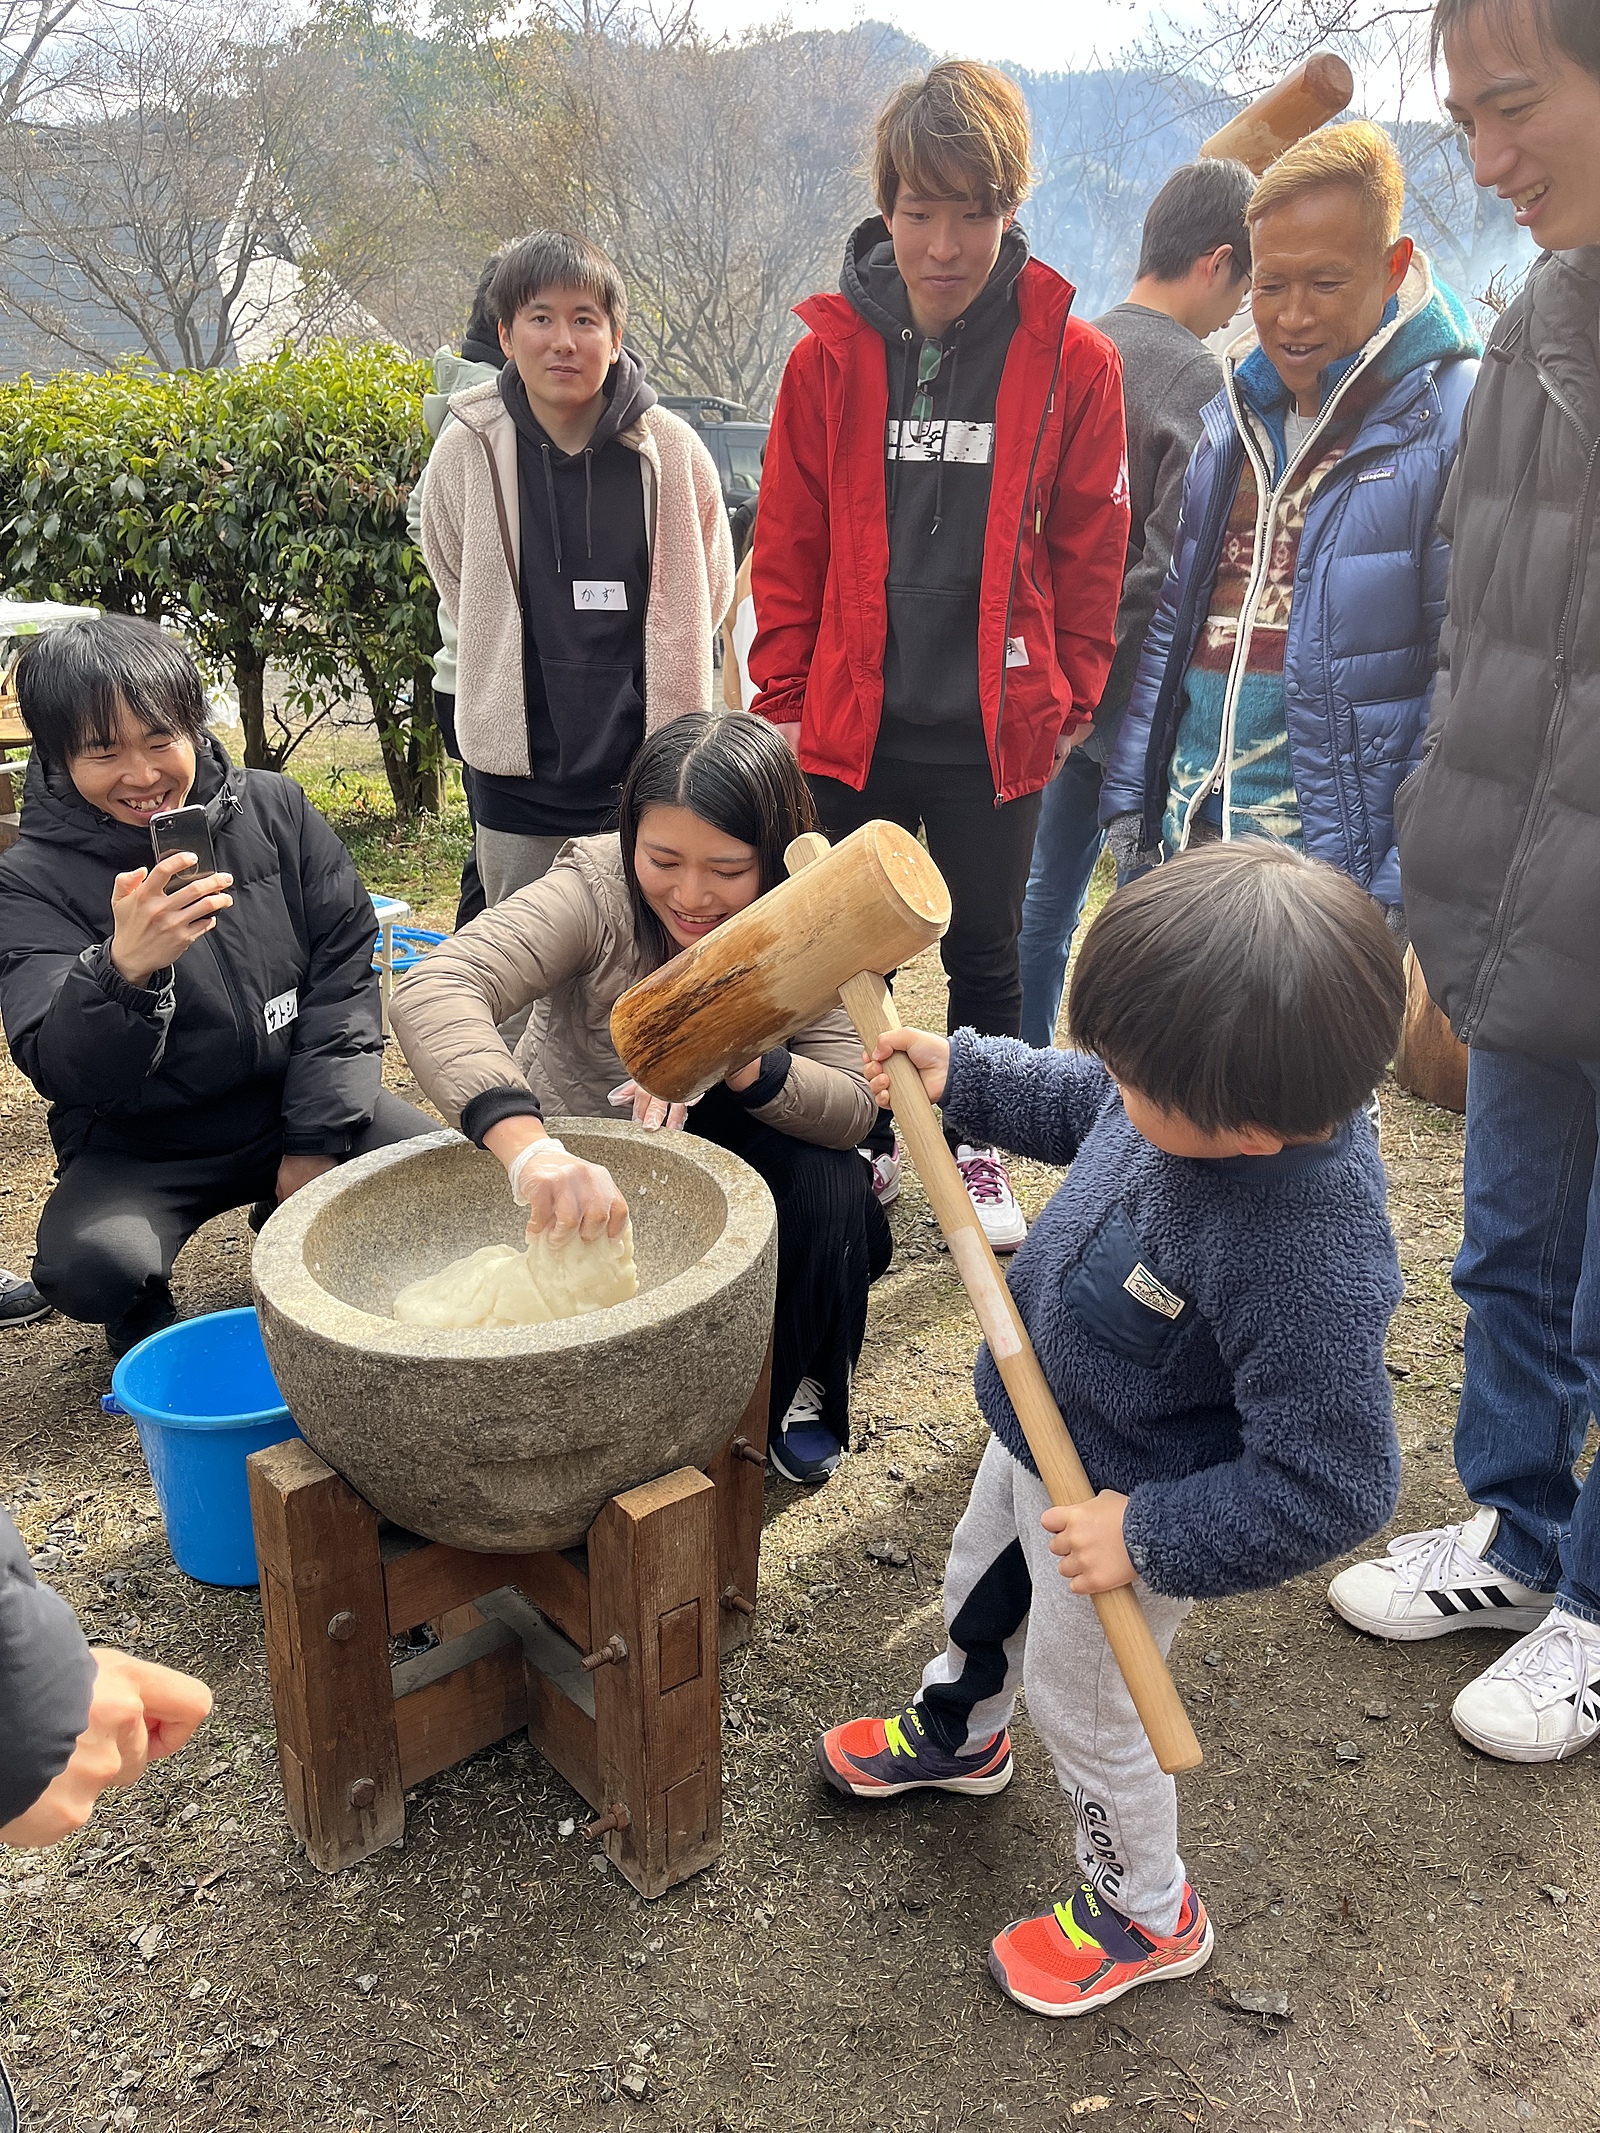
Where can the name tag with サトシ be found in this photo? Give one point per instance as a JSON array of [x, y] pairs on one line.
[[592, 594], [280, 1012]]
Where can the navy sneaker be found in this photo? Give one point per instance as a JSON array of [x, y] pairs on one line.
[[877, 1758], [802, 1447], [20, 1305]]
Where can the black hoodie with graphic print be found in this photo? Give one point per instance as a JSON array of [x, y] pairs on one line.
[[937, 477], [585, 578]]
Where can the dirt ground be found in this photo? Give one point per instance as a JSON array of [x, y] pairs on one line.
[[1430, 1914]]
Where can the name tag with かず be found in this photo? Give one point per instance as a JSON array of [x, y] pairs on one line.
[[593, 594]]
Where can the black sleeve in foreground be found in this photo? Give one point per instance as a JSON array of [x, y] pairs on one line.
[[46, 1679], [769, 1082], [490, 1106]]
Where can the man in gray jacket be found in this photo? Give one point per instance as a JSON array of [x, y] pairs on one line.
[[1194, 267], [1500, 863]]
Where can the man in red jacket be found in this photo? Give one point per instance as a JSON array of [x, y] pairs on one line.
[[944, 521]]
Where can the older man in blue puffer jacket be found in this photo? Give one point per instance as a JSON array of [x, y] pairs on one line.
[[1284, 684]]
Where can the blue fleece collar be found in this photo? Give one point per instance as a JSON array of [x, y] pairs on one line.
[[1439, 331], [1258, 381], [1288, 1162]]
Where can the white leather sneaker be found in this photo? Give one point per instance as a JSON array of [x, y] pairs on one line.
[[1540, 1701], [1431, 1583], [989, 1189]]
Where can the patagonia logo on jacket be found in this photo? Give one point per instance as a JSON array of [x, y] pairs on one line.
[[280, 1011]]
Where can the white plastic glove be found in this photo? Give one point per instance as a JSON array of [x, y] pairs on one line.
[[565, 1195], [649, 1111]]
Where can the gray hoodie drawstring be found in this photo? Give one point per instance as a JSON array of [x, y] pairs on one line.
[[550, 500], [900, 425], [938, 483], [588, 501]]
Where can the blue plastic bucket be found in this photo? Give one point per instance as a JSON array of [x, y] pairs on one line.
[[203, 1398]]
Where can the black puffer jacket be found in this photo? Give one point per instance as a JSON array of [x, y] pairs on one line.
[[1500, 825], [268, 1026]]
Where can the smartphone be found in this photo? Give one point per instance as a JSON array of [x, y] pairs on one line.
[[184, 829]]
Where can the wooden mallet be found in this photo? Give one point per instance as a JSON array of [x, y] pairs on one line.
[[1306, 98], [848, 915]]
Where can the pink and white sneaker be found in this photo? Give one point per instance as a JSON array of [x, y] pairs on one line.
[[989, 1190], [885, 1173]]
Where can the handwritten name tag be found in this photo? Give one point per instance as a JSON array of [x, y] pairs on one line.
[[595, 593]]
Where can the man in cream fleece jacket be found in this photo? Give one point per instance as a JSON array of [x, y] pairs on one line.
[[577, 535]]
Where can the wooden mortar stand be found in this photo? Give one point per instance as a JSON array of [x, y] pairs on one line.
[[1121, 1617], [608, 1655]]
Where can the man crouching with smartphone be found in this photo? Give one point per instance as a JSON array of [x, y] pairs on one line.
[[207, 1035]]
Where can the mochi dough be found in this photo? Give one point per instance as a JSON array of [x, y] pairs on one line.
[[500, 1286]]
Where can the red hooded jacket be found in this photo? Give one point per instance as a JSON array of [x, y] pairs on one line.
[[1055, 542]]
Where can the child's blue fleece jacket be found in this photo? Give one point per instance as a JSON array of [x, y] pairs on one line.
[[1213, 1331]]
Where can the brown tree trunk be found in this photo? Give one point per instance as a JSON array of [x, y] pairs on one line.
[[250, 680], [428, 743], [391, 742], [410, 745]]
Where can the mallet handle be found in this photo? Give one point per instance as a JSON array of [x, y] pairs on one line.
[[1151, 1686]]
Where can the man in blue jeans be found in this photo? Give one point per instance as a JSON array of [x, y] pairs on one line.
[[1194, 262], [1500, 863]]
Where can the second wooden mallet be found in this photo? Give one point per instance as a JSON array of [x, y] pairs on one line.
[[751, 983]]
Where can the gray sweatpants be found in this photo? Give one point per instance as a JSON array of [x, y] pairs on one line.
[[1013, 1622], [507, 863]]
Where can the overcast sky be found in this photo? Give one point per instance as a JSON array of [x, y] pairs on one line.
[[1043, 35]]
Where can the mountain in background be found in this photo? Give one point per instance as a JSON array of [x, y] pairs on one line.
[[724, 179]]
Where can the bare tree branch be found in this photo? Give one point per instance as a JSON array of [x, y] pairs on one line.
[[116, 214]]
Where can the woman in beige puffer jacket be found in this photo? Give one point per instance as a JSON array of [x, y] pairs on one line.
[[708, 808]]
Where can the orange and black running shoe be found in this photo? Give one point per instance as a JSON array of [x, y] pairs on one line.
[[876, 1758], [1082, 1954]]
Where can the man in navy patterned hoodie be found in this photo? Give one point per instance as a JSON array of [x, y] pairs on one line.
[[1208, 1294]]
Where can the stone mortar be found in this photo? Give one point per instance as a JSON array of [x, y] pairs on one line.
[[514, 1438]]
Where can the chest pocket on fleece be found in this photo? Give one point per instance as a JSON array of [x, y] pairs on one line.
[[1119, 1297]]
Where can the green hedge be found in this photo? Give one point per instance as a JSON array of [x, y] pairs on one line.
[[263, 509]]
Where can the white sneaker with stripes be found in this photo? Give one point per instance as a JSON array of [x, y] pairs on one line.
[[1540, 1701], [1431, 1583]]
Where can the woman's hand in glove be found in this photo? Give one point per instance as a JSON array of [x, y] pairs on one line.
[[649, 1111], [564, 1196]]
